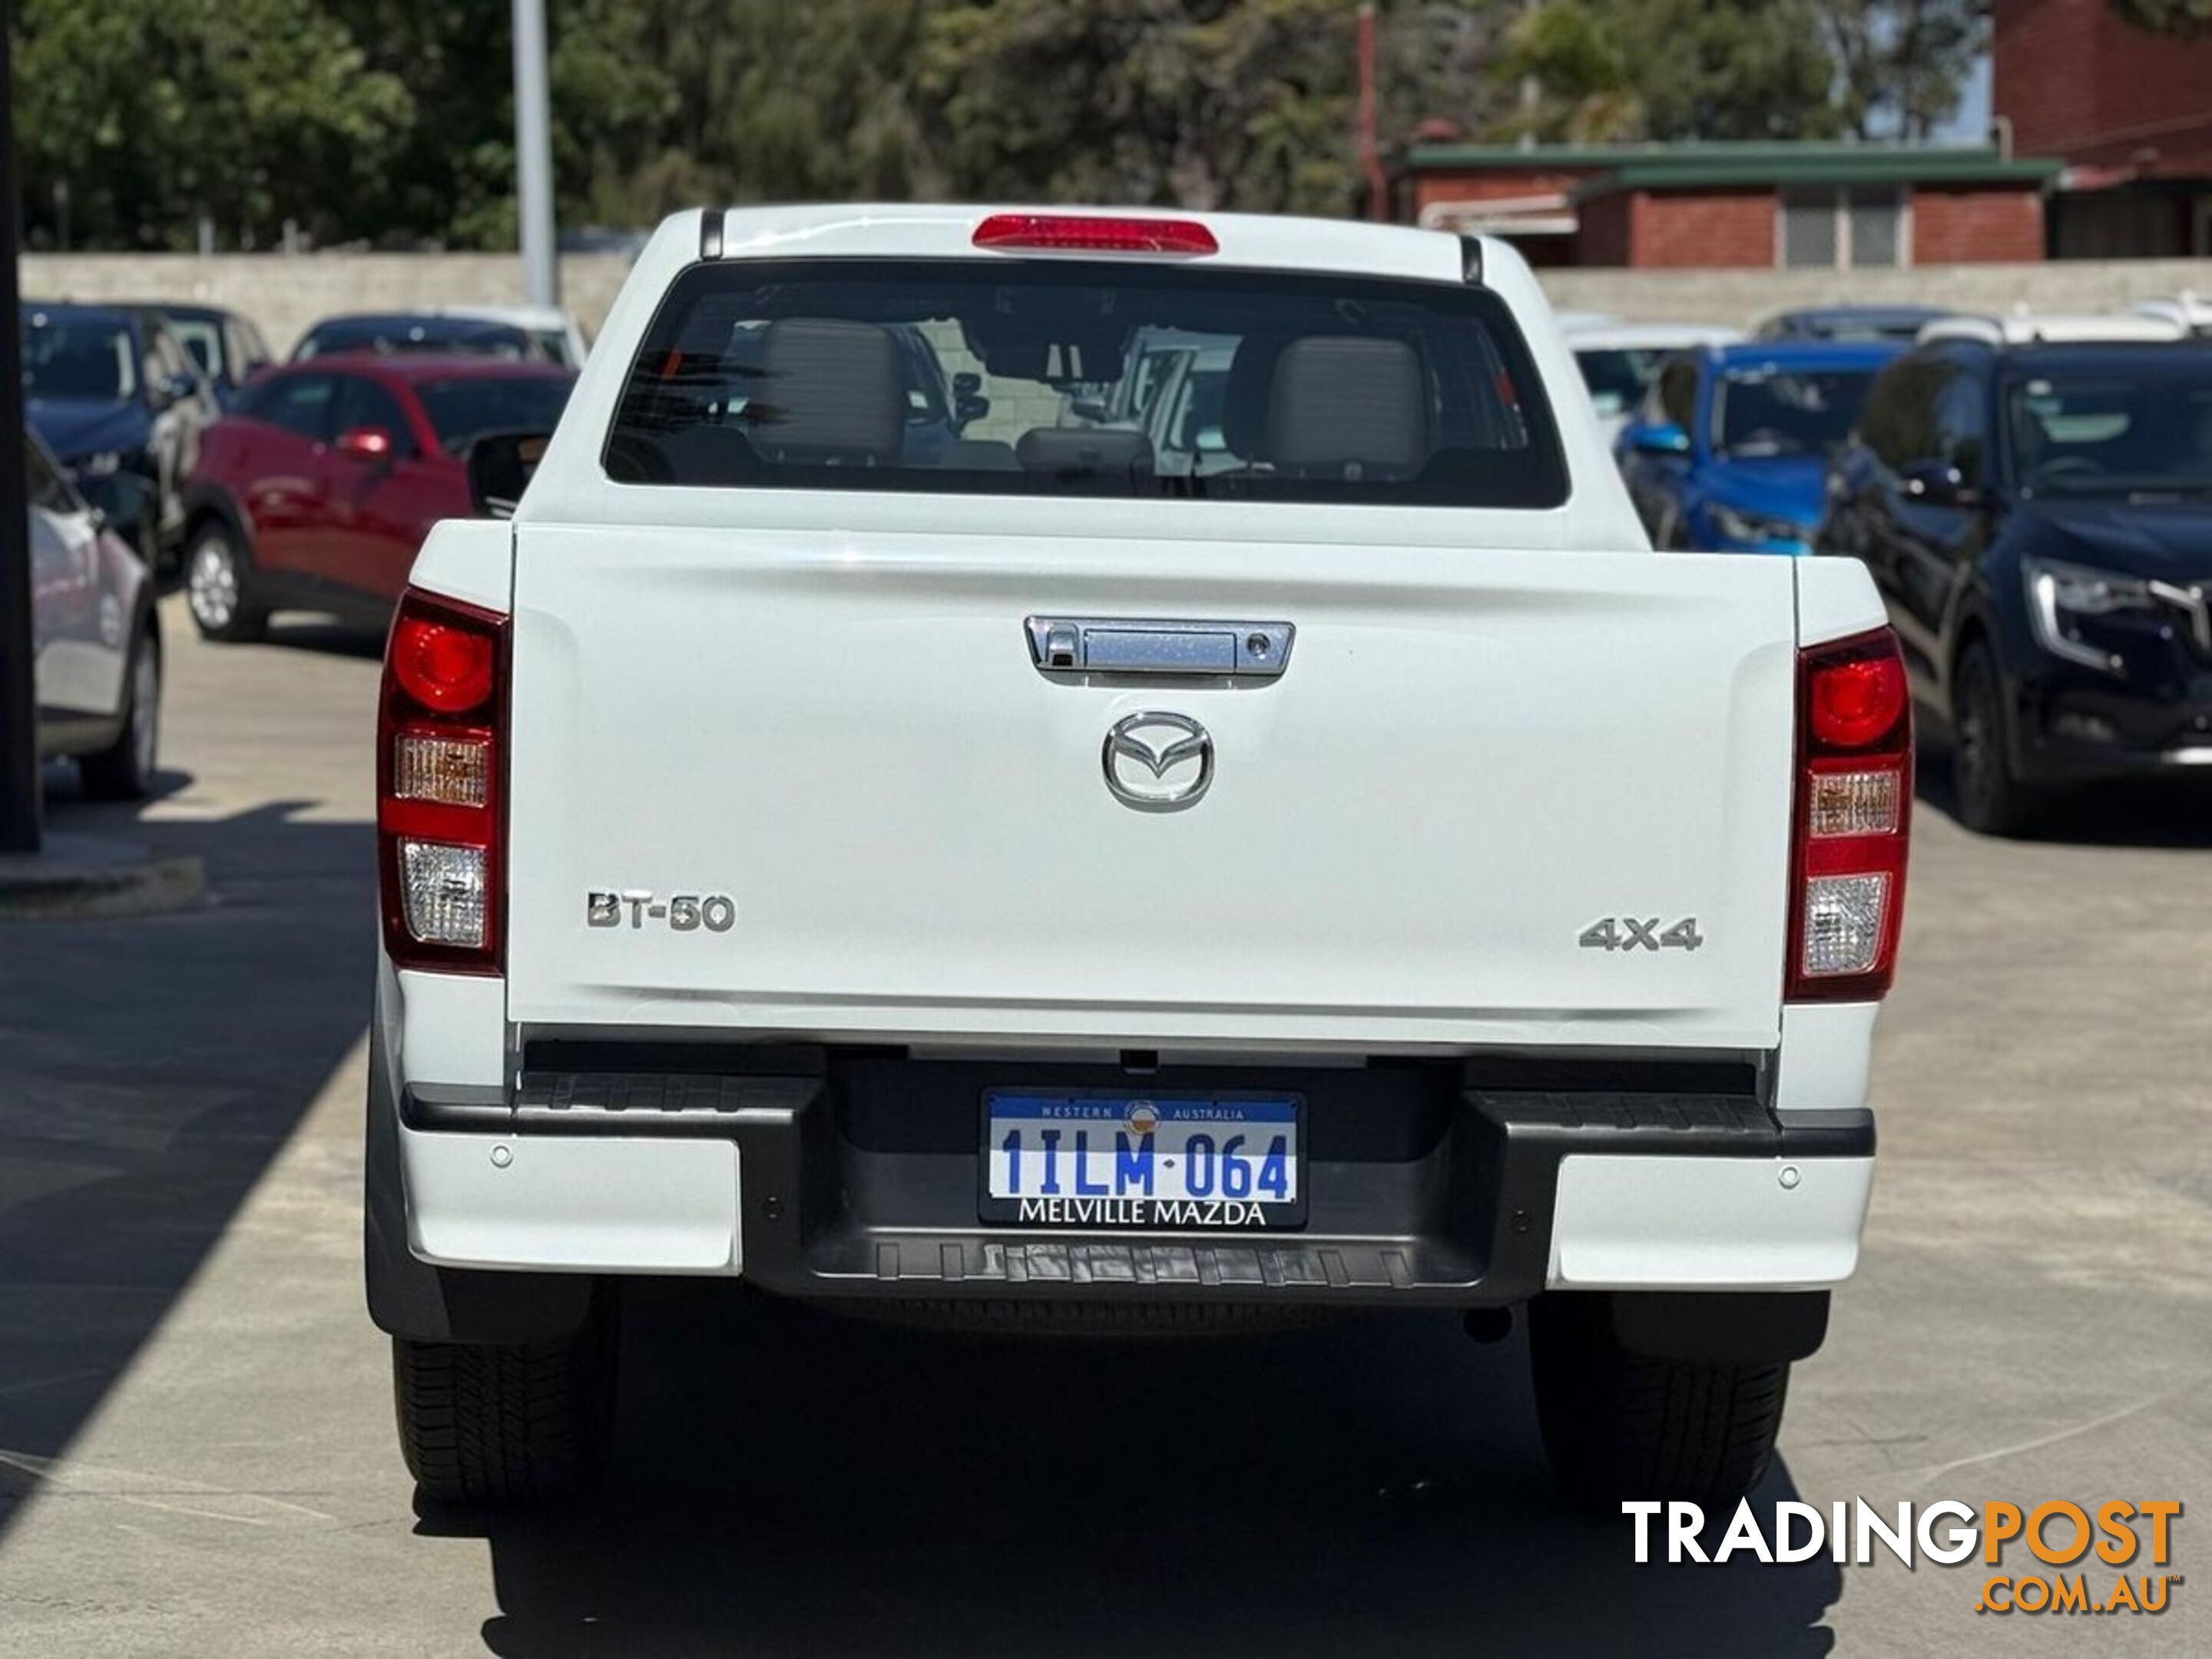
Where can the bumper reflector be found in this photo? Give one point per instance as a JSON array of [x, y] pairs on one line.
[[1844, 923], [442, 892]]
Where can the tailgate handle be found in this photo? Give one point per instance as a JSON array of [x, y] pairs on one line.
[[1103, 645]]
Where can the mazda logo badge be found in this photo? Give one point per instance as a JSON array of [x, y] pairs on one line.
[[1158, 762]]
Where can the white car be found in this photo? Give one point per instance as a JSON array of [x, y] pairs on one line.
[[2190, 311], [96, 641], [556, 332], [1015, 884], [1619, 360], [2025, 327]]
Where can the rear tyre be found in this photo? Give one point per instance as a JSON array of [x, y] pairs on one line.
[[1990, 796], [219, 584], [1618, 1425], [507, 1423], [124, 769]]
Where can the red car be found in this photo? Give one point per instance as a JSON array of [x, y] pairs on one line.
[[316, 490]]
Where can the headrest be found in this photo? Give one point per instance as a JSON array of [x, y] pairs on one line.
[[1245, 396], [1342, 401], [1074, 449], [829, 390]]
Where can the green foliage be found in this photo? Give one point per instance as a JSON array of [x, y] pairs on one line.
[[150, 113], [1902, 62], [390, 122], [1673, 69], [2186, 19]]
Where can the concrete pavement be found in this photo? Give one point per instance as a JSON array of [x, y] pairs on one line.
[[196, 1453]]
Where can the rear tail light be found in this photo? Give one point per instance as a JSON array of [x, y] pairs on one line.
[[440, 820], [1087, 233], [1853, 820]]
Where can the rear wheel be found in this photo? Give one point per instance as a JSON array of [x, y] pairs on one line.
[[124, 769], [507, 1423], [1991, 797], [219, 584], [1618, 1425]]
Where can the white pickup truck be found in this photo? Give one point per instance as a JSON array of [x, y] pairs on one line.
[[891, 820]]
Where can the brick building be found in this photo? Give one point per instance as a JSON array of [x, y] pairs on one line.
[[1735, 204], [2129, 114]]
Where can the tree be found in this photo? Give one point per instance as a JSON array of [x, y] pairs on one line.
[[1237, 104], [1901, 63], [149, 113], [1673, 69], [2186, 19]]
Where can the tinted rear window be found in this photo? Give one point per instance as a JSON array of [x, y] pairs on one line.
[[398, 334], [463, 410], [835, 374]]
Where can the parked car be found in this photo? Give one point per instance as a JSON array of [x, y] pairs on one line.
[[2025, 327], [400, 333], [992, 881], [2192, 311], [1860, 322], [227, 348], [95, 639], [122, 405], [315, 492], [559, 336], [2039, 519], [1728, 452], [1619, 361]]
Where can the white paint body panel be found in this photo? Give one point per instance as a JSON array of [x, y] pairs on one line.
[[452, 1028], [572, 1203], [1473, 755], [1626, 1223]]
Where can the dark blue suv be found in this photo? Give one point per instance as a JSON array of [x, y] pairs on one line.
[[1728, 452], [2039, 519]]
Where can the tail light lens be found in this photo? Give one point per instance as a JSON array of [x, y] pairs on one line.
[[439, 762], [1853, 821]]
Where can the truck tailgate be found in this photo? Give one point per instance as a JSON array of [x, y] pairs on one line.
[[1413, 835]]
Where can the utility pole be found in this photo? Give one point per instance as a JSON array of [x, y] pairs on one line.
[[533, 156], [1369, 144], [19, 714]]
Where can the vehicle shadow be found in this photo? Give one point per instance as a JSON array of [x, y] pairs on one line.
[[327, 636], [2129, 812], [794, 1482], [150, 1071]]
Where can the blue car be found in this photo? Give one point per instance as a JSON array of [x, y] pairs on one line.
[[1728, 451], [122, 405]]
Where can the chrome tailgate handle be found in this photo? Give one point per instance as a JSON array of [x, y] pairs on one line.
[[1112, 644]]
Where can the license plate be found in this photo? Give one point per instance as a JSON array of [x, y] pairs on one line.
[[1067, 1159]]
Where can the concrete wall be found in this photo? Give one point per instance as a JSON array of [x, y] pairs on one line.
[[1742, 297], [284, 295]]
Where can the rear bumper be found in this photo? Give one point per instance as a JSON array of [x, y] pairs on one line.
[[1473, 1196]]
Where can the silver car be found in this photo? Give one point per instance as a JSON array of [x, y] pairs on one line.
[[95, 640]]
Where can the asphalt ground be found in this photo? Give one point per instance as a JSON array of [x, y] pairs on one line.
[[195, 1448]]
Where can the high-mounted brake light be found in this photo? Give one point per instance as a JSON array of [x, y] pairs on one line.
[[1853, 820], [1075, 233], [440, 824]]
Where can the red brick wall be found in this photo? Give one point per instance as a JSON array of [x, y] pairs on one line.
[[1702, 228], [1490, 186], [2079, 83], [1965, 225], [1601, 230]]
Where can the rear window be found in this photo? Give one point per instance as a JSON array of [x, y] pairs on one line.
[[464, 409], [1058, 378]]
